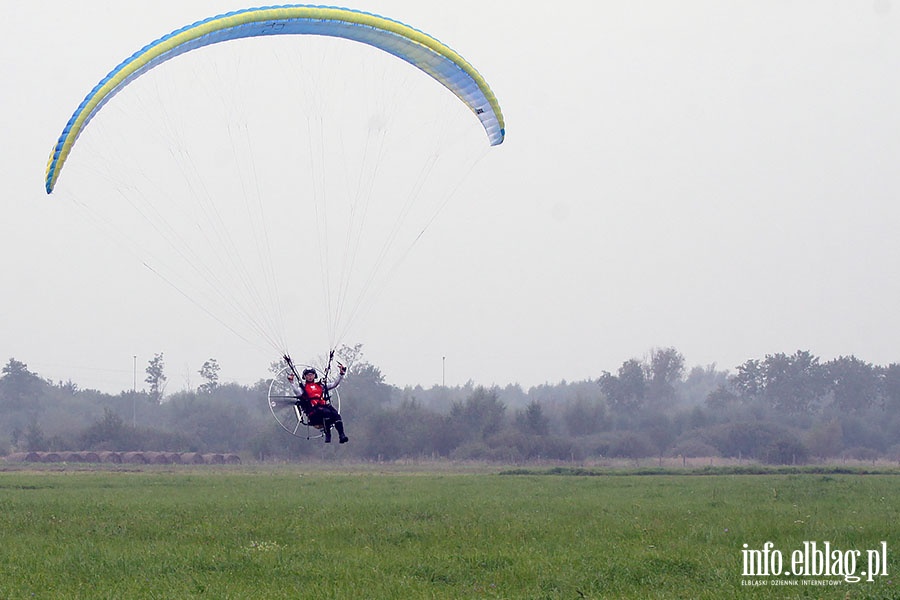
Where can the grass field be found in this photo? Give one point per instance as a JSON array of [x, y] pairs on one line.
[[304, 532]]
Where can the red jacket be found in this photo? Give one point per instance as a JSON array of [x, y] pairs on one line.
[[315, 393]]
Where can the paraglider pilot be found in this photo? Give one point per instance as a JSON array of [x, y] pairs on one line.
[[312, 398]]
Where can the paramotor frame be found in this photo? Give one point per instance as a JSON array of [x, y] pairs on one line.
[[283, 404]]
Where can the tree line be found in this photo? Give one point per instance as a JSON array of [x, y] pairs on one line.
[[782, 408]]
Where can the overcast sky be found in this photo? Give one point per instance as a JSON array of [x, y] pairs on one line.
[[718, 177]]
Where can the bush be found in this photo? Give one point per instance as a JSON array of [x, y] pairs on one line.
[[861, 453], [785, 451], [481, 451], [748, 439], [632, 445], [693, 448]]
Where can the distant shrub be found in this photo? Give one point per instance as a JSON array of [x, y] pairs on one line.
[[861, 453], [748, 439], [693, 448], [785, 451], [632, 445]]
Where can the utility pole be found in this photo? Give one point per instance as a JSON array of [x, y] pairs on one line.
[[134, 392], [443, 371]]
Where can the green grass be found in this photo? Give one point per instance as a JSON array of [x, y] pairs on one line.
[[254, 532]]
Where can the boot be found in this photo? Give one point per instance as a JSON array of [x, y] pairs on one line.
[[327, 435], [342, 437]]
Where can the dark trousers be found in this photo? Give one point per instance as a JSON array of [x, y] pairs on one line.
[[327, 416]]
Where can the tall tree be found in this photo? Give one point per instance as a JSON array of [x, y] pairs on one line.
[[750, 380], [585, 416], [20, 389], [855, 384], [109, 433], [890, 381], [156, 377], [721, 398], [482, 412], [627, 390], [793, 383], [35, 440], [531, 420], [210, 374], [665, 370], [364, 390]]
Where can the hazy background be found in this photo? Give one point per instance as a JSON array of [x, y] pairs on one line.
[[716, 177]]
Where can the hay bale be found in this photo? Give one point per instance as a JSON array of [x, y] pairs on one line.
[[192, 458], [174, 458], [134, 458], [232, 459], [50, 457], [90, 457], [75, 457], [24, 457], [158, 458], [110, 457], [214, 459]]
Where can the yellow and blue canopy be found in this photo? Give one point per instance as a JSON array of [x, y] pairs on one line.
[[415, 47]]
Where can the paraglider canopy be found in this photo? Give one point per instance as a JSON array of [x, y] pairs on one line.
[[403, 41]]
